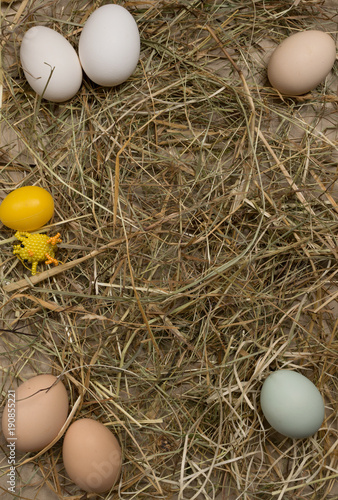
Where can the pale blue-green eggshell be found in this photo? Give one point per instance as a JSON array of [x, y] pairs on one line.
[[292, 404]]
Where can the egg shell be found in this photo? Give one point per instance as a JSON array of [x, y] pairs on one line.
[[91, 455], [292, 404], [109, 45], [27, 208], [38, 416], [301, 62], [50, 63]]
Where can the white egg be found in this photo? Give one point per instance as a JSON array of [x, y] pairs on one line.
[[292, 404], [51, 65], [109, 45]]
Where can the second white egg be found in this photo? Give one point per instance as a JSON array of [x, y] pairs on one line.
[[109, 45], [50, 63]]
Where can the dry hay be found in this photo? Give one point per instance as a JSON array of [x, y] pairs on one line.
[[198, 214]]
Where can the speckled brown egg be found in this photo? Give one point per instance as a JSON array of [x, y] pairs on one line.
[[301, 62], [40, 410], [91, 455]]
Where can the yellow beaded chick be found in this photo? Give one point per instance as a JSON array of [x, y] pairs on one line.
[[35, 248]]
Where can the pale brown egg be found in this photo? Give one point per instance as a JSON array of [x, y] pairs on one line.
[[35, 415], [91, 455], [301, 62]]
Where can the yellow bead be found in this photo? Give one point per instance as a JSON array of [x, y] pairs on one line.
[[35, 248]]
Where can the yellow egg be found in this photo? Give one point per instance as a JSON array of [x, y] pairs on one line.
[[27, 208]]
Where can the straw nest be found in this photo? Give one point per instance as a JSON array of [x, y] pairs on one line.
[[199, 221]]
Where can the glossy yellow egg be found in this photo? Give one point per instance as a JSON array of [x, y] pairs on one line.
[[27, 208]]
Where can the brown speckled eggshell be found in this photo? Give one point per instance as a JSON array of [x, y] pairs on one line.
[[91, 455], [38, 417], [301, 62]]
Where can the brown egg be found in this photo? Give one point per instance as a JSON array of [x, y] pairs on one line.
[[91, 455], [38, 416], [301, 62]]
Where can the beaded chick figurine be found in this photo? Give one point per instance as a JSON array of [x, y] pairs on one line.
[[35, 248]]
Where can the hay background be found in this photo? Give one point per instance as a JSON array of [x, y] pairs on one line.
[[221, 262]]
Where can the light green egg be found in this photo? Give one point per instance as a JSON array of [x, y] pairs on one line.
[[292, 404]]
